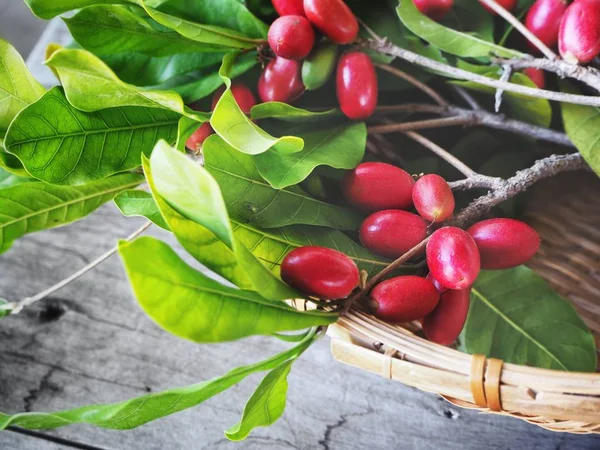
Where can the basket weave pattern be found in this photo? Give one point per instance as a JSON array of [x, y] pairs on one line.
[[566, 213]]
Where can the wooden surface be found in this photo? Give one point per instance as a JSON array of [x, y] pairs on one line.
[[92, 343]]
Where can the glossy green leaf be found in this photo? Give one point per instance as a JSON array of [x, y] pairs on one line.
[[90, 85], [287, 112], [266, 405], [140, 203], [341, 147], [238, 130], [47, 9], [446, 39], [4, 311], [199, 32], [193, 306], [18, 88], [250, 199], [8, 179], [138, 411], [517, 317], [470, 17], [36, 206], [191, 203], [582, 125], [112, 29], [62, 145]]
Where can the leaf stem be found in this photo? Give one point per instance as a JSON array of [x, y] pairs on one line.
[[17, 307], [415, 82], [419, 125]]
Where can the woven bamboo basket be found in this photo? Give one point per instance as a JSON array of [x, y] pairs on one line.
[[566, 212]]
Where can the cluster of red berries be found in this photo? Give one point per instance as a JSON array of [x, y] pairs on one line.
[[574, 27], [454, 256], [303, 63]]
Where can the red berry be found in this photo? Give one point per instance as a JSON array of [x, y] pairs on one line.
[[446, 321], [291, 37], [543, 20], [289, 7], [537, 76], [403, 299], [280, 81], [242, 94], [333, 18], [509, 5], [436, 283], [504, 243], [374, 186], [356, 85], [579, 32], [391, 233], [453, 258], [195, 141], [320, 272], [434, 9], [433, 198]]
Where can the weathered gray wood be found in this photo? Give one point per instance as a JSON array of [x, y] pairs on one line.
[[91, 343]]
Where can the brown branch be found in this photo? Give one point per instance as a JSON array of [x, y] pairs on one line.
[[586, 74], [520, 28], [415, 82], [484, 118], [387, 48], [419, 125]]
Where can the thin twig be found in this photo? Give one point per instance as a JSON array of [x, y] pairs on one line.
[[484, 118], [516, 23], [419, 125], [17, 307], [467, 97], [387, 48], [415, 82], [506, 73], [445, 155]]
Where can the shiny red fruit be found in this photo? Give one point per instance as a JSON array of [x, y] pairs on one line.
[[356, 85], [403, 299], [374, 186], [320, 272], [446, 321], [434, 9], [289, 7], [543, 20], [291, 37], [579, 32], [436, 283], [537, 76], [433, 198], [509, 5], [392, 232], [242, 94], [195, 141], [453, 258], [333, 18], [281, 81], [504, 243]]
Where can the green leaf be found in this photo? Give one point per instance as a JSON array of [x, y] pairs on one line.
[[341, 147], [237, 130], [470, 17], [17, 87], [4, 311], [193, 306], [266, 405], [83, 147], [8, 179], [36, 206], [112, 29], [138, 411], [199, 32], [447, 39], [517, 317], [582, 125], [284, 111], [47, 9], [537, 111], [250, 199], [192, 206], [90, 85], [140, 203]]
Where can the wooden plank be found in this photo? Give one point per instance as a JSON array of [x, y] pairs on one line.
[[91, 343]]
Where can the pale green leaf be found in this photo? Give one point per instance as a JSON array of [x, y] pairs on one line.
[[287, 112], [140, 203]]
